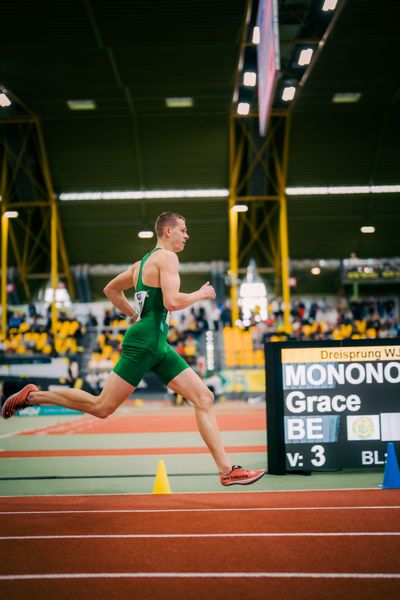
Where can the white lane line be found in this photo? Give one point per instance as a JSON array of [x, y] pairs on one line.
[[235, 574], [150, 536], [193, 510], [34, 430]]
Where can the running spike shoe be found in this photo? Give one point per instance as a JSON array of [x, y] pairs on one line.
[[240, 476], [17, 401]]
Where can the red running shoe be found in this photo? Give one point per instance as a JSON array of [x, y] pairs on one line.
[[239, 476], [17, 401]]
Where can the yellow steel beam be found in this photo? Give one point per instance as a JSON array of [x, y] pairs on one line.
[[256, 160], [64, 258], [283, 224], [36, 236], [258, 154], [26, 245], [233, 262], [57, 241], [48, 240], [54, 267], [20, 263], [234, 164], [261, 197], [18, 161], [29, 204], [4, 247], [256, 234], [13, 120], [4, 266], [284, 242], [272, 241]]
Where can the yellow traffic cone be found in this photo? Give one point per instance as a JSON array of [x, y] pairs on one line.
[[161, 484]]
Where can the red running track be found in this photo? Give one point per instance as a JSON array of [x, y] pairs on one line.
[[121, 423], [281, 553], [123, 451]]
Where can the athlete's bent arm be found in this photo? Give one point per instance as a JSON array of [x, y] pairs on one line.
[[114, 291], [170, 284]]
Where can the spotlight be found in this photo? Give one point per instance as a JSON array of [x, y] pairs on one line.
[[329, 5], [305, 56], [288, 93], [243, 108], [249, 79], [4, 100], [256, 35]]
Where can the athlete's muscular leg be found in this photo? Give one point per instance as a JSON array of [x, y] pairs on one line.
[[115, 391], [189, 385]]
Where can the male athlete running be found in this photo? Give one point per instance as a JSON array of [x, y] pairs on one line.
[[157, 283]]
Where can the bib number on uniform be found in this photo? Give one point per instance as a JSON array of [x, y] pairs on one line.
[[138, 302]]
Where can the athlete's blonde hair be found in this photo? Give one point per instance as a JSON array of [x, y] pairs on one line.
[[166, 219]]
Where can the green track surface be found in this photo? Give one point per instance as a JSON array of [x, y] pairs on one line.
[[127, 474]]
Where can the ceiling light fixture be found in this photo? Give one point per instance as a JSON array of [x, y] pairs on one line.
[[4, 100], [243, 108], [250, 79], [346, 97], [149, 195], [256, 35], [316, 271], [179, 102], [11, 214], [146, 234], [288, 93], [343, 189], [367, 229], [305, 56], [81, 104], [329, 5], [240, 208]]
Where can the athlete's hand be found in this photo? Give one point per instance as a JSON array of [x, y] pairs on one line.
[[131, 319], [207, 291]]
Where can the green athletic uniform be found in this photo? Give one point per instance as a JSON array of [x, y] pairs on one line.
[[145, 346]]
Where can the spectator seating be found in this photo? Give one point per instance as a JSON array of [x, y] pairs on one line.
[[240, 350]]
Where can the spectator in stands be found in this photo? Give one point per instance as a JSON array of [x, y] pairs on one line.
[[15, 320], [107, 318], [226, 314], [91, 320], [313, 310], [373, 321], [201, 322], [190, 349], [216, 316], [32, 312]]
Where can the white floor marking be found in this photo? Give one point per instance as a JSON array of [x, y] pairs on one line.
[[213, 575], [150, 536], [194, 510]]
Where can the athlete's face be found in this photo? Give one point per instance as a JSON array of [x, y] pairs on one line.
[[179, 236]]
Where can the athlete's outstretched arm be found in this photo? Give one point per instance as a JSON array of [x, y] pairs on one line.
[[114, 291], [170, 284]]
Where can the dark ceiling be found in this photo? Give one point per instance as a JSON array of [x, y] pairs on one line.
[[129, 55]]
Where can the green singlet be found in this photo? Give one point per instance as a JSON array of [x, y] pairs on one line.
[[145, 346]]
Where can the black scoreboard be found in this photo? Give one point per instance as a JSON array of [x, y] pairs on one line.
[[331, 404]]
